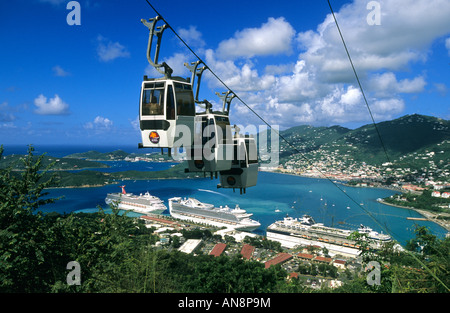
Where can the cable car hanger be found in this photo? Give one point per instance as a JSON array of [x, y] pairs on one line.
[[151, 24], [167, 105], [226, 98], [196, 72]]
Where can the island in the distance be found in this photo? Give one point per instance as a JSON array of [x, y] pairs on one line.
[[78, 170]]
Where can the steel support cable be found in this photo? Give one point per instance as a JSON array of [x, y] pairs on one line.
[[359, 83], [281, 136], [379, 136]]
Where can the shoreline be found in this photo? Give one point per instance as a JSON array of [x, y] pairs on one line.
[[335, 180], [116, 183], [430, 216]]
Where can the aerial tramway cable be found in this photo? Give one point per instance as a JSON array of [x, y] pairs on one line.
[[383, 227], [382, 144], [359, 83]]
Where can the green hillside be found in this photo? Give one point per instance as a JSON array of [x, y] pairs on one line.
[[99, 156], [401, 137], [15, 162]]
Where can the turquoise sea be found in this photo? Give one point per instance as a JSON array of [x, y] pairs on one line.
[[288, 194]]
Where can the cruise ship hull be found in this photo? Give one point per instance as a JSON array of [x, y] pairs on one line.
[[137, 204], [291, 232], [290, 240], [210, 216]]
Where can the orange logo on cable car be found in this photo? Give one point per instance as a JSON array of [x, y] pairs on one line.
[[199, 164], [231, 180], [154, 137]]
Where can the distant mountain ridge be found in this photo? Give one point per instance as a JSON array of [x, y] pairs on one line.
[[401, 137]]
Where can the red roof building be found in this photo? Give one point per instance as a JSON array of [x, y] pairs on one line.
[[158, 220], [218, 249], [293, 275], [247, 251], [322, 259], [280, 258], [339, 263], [305, 256]]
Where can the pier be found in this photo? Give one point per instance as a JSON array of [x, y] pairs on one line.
[[417, 218]]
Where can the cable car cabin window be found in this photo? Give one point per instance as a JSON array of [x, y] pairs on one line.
[[252, 156], [170, 109], [153, 99], [235, 155], [224, 123], [212, 132], [239, 155], [200, 134], [185, 100], [199, 126]]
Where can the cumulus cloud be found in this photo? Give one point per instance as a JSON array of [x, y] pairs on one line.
[[135, 123], [386, 84], [6, 114], [192, 36], [239, 78], [59, 71], [176, 63], [273, 37], [404, 36], [53, 2], [99, 123], [447, 45], [52, 106], [108, 50]]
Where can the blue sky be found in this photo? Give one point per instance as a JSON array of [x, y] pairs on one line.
[[79, 84]]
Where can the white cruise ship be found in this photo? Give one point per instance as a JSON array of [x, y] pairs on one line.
[[305, 231], [193, 210], [144, 203]]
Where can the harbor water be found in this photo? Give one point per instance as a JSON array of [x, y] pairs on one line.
[[274, 197]]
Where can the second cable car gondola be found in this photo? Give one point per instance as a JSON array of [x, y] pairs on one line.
[[212, 149], [166, 106], [212, 144]]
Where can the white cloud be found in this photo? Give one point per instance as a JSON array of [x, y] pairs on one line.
[[238, 78], [447, 45], [386, 84], [407, 29], [54, 106], [59, 71], [273, 37], [6, 114], [297, 86], [53, 2], [441, 89], [192, 37], [99, 123], [176, 63], [135, 123], [108, 50]]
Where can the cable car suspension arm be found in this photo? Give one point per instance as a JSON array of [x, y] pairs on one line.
[[151, 24]]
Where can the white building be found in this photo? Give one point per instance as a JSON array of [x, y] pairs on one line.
[[190, 245]]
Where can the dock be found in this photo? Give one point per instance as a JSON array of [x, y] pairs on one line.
[[417, 218]]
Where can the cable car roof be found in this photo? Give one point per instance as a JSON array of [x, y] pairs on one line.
[[174, 78]]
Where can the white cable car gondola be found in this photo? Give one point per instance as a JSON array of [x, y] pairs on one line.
[[244, 168], [167, 106], [212, 150]]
